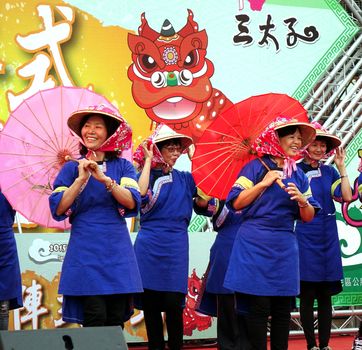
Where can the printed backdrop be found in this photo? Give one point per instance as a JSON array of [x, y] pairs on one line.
[[228, 51]]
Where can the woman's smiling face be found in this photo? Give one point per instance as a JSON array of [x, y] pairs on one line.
[[171, 152], [317, 149], [94, 132], [291, 143]]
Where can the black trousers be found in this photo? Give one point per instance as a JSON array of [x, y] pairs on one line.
[[307, 296], [278, 308], [105, 310], [155, 302], [4, 315], [231, 326]]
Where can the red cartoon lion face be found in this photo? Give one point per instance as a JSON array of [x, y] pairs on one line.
[[193, 319], [170, 74]]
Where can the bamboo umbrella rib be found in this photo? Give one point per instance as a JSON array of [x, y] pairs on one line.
[[54, 139]]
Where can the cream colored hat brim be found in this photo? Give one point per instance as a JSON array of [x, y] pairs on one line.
[[76, 118], [166, 133], [332, 140], [308, 132]]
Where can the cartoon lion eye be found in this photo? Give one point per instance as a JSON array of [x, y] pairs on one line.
[[185, 77], [158, 80], [191, 59], [148, 62]]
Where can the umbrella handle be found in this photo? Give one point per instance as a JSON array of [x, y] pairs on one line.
[[278, 181], [71, 159]]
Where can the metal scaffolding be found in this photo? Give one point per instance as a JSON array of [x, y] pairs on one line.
[[336, 100]]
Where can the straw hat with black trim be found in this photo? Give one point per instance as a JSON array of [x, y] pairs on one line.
[[120, 133], [166, 133], [76, 118], [307, 131], [332, 141]]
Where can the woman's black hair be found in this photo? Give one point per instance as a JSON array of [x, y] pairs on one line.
[[110, 123], [111, 127], [328, 142], [175, 141], [288, 130]]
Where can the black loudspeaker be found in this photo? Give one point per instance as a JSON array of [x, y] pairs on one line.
[[88, 338]]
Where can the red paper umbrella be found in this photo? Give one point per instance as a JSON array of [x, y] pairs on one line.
[[225, 146]]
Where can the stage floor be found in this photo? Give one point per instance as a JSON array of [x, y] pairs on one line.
[[338, 342]]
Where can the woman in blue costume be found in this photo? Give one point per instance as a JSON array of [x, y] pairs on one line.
[[98, 192], [357, 342], [10, 277], [216, 300], [319, 250], [161, 245], [264, 268], [360, 177]]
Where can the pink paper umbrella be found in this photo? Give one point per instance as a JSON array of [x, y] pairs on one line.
[[33, 145]]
